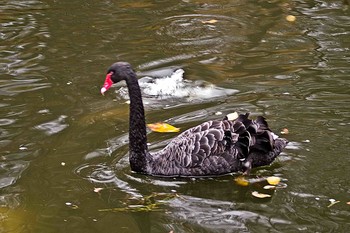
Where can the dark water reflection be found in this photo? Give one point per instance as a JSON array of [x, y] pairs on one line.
[[64, 164]]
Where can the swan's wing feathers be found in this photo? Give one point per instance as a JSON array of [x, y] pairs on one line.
[[216, 142], [204, 140], [218, 147]]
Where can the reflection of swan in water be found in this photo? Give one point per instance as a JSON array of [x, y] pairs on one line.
[[172, 85]]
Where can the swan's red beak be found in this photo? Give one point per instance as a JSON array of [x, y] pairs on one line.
[[108, 83]]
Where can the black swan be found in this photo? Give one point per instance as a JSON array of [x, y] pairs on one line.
[[212, 148]]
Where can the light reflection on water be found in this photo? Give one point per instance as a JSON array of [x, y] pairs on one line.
[[23, 40], [53, 127], [63, 143]]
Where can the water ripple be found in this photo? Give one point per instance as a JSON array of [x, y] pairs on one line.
[[219, 215], [22, 46], [11, 171], [54, 126], [202, 30]]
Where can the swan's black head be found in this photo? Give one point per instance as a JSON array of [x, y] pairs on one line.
[[117, 72]]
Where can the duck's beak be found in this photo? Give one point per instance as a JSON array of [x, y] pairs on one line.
[[107, 84]]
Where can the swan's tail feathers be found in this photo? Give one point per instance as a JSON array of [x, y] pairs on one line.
[[261, 137], [262, 142], [243, 141], [261, 121], [254, 126], [279, 145], [264, 145], [259, 158], [245, 120]]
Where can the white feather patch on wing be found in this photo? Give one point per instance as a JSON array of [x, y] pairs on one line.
[[274, 136]]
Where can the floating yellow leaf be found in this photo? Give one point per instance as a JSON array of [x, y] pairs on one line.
[[290, 18], [260, 195], [163, 127], [273, 180], [210, 21], [241, 181]]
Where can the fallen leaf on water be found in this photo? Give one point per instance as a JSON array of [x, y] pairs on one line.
[[333, 202], [210, 21], [269, 187], [273, 180], [241, 181], [285, 131], [71, 205], [260, 195], [97, 190], [74, 207], [232, 116], [290, 18], [163, 127]]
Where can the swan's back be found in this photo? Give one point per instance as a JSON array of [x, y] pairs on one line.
[[213, 148]]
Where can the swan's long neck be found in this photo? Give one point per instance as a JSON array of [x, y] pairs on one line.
[[137, 128]]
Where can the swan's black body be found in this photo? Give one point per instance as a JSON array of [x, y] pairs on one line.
[[209, 149]]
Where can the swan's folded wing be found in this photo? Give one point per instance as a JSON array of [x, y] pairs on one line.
[[212, 144]]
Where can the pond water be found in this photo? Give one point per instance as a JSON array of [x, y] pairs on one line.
[[64, 147]]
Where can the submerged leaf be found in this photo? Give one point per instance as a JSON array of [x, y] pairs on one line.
[[149, 203], [134, 208], [163, 128], [273, 180], [260, 195]]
